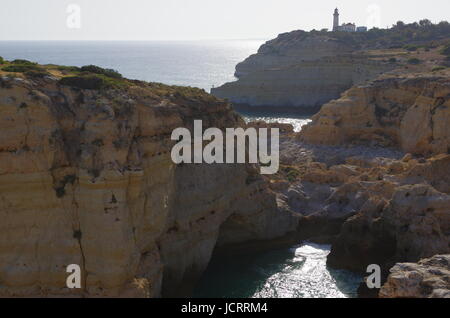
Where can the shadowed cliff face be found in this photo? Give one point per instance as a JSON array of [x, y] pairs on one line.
[[86, 178]]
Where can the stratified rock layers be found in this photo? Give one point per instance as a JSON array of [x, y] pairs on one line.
[[86, 178], [405, 217], [299, 71], [412, 113]]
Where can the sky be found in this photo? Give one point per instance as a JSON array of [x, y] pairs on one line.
[[198, 19]]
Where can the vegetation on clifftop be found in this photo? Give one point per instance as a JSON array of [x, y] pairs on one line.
[[409, 36], [98, 78]]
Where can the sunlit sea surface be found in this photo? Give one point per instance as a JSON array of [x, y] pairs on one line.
[[201, 64], [295, 272], [297, 123], [298, 272]]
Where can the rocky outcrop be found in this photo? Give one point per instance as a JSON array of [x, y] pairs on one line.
[[289, 49], [86, 178], [430, 278], [326, 185], [414, 224], [409, 222], [372, 205], [401, 207], [411, 113], [299, 71]]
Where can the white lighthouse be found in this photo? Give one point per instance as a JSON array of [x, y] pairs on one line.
[[336, 20]]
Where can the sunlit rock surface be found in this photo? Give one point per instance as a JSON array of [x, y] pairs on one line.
[[411, 113], [430, 278], [86, 178], [300, 71]]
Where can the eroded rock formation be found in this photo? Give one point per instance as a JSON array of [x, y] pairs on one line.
[[299, 71], [401, 207], [373, 206], [86, 178], [430, 278], [411, 113]]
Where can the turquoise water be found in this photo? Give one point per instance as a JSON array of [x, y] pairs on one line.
[[297, 272]]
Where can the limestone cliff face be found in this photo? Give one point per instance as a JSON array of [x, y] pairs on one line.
[[290, 49], [411, 113], [401, 207], [299, 70], [427, 279], [412, 221], [86, 178]]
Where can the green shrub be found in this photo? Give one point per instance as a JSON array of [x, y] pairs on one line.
[[411, 48], [20, 68], [2, 61], [414, 61], [99, 70], [392, 60], [292, 173], [446, 50], [438, 68], [68, 68], [23, 62], [83, 82], [37, 73]]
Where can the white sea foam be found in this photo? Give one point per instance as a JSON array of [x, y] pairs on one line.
[[297, 123], [307, 276]]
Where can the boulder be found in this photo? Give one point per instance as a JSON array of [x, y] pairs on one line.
[[429, 278]]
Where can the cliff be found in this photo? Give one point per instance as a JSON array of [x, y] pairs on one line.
[[86, 178], [300, 71], [371, 175], [411, 113], [427, 279]]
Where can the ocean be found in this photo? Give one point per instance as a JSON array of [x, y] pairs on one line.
[[203, 64], [296, 272]]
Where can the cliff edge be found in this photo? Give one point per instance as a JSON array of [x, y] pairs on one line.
[[300, 71], [86, 178]]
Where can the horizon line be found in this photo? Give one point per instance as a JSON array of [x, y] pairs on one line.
[[134, 40]]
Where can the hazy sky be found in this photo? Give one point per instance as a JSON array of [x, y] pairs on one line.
[[197, 19]]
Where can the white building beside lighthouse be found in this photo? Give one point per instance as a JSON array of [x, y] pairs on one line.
[[346, 27]]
